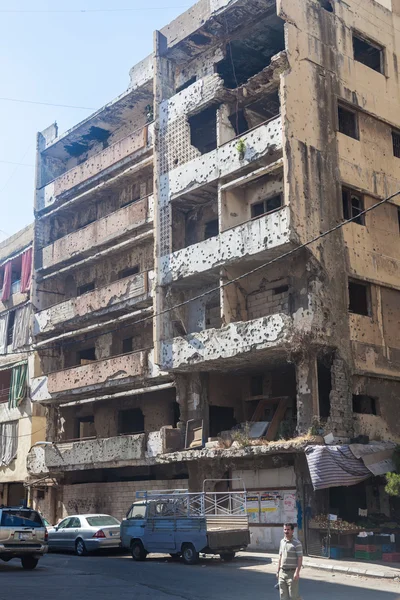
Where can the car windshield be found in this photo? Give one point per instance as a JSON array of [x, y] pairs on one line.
[[21, 518], [102, 521]]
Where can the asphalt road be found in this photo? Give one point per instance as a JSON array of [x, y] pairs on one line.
[[116, 577]]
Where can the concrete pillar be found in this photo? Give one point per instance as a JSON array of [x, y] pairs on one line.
[[192, 397], [51, 424], [307, 394], [341, 416]]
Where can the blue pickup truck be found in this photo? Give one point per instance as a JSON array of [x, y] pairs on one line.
[[184, 525]]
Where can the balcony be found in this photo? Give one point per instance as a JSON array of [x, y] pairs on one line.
[[208, 348], [85, 379], [118, 296], [126, 450], [99, 234], [264, 140], [257, 237], [103, 163]]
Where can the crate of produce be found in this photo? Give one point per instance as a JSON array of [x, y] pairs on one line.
[[388, 548], [336, 553], [360, 555], [391, 557], [371, 548]]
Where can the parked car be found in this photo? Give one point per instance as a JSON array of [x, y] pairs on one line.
[[23, 535], [85, 533]]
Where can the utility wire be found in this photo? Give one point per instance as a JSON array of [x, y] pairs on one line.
[[227, 283], [92, 10], [8, 162], [47, 103]]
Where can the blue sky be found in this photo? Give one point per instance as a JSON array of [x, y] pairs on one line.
[[78, 59]]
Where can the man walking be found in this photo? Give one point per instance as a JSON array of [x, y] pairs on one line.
[[290, 563]]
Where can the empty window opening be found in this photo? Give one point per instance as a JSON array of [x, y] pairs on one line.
[[86, 356], [266, 206], [211, 229], [265, 109], [396, 143], [10, 327], [353, 206], [222, 418], [5, 383], [203, 130], [359, 302], [247, 56], [324, 389], [187, 84], [176, 409], [127, 345], [84, 289], [239, 122], [129, 272], [327, 5], [85, 427], [365, 405], [283, 289], [348, 122], [130, 421], [213, 315], [368, 53], [257, 385]]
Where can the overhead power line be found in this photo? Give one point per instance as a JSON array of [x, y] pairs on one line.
[[46, 103], [231, 281], [92, 10]]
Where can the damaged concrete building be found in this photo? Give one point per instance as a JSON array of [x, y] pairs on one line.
[[176, 296], [22, 423]]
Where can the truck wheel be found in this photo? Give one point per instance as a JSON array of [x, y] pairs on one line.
[[227, 556], [189, 554], [138, 552], [29, 562]]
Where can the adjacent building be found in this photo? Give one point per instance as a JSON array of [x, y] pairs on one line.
[[176, 294]]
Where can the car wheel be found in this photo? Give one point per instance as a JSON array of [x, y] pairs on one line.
[[80, 548], [189, 554], [29, 562], [138, 551], [227, 556]]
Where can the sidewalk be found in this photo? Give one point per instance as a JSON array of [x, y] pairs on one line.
[[377, 569]]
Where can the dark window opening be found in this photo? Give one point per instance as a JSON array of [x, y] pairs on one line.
[[211, 229], [367, 53], [176, 413], [348, 122], [257, 385], [324, 389], [353, 206], [203, 130], [247, 56], [129, 272], [365, 405], [266, 206], [359, 298], [130, 421], [5, 383], [281, 290], [86, 356], [85, 427], [265, 109], [396, 143], [187, 84], [327, 5], [213, 315], [127, 345], [239, 122], [84, 289], [222, 418], [10, 327]]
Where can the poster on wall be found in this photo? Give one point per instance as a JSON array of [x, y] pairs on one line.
[[270, 507], [253, 508], [289, 507]]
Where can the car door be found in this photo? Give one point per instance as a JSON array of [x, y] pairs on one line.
[[72, 532], [57, 535]]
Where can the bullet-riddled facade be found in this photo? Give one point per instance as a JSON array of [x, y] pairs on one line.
[[176, 296]]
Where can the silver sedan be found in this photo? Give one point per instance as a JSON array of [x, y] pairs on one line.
[[85, 533]]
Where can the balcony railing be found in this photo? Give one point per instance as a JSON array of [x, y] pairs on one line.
[[254, 237], [119, 295], [98, 234]]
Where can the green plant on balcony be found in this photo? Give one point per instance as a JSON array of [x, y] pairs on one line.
[[393, 479], [241, 148]]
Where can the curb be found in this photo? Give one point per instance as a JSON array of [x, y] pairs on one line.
[[328, 567]]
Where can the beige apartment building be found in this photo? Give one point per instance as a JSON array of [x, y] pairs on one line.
[[21, 422], [176, 294]]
